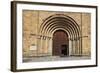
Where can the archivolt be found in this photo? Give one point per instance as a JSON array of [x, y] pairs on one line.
[[62, 21]]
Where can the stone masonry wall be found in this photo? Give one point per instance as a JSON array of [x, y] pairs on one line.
[[32, 20]]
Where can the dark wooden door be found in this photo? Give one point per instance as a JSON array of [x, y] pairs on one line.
[[60, 43]]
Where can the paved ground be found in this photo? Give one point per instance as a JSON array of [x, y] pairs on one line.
[[54, 58]]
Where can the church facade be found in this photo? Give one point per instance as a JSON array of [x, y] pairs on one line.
[[52, 33]]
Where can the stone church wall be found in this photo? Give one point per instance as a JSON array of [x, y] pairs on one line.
[[33, 45]]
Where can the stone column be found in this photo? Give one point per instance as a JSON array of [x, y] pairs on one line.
[[41, 45], [76, 49], [70, 47], [46, 44], [79, 46], [73, 47], [38, 46], [50, 46]]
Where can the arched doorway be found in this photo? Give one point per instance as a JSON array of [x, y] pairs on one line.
[[60, 43], [61, 23]]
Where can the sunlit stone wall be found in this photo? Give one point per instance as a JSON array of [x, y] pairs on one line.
[[38, 44]]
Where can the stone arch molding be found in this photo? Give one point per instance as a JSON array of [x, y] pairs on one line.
[[62, 22]]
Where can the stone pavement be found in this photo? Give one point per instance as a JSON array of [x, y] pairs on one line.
[[54, 58]]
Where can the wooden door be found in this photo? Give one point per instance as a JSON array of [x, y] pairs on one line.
[[60, 43]]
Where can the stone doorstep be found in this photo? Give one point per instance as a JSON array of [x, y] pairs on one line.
[[52, 58]]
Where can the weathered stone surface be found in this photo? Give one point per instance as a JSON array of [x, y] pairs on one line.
[[32, 21]]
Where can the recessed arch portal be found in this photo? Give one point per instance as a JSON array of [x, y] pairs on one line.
[[67, 25]]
